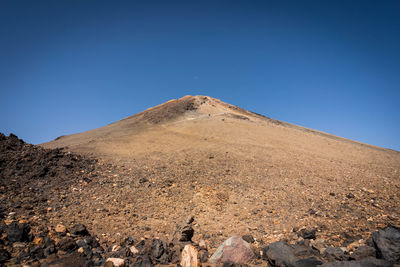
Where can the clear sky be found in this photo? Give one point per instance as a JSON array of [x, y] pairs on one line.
[[71, 66]]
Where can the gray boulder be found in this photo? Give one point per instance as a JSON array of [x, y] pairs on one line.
[[387, 243], [280, 254]]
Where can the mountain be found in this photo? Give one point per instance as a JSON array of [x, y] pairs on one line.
[[236, 171]]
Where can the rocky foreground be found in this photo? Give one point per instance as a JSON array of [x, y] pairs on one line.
[[30, 176]]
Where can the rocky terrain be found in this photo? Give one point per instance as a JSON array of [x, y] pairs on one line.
[[171, 184]]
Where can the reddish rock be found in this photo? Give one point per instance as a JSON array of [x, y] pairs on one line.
[[234, 250]]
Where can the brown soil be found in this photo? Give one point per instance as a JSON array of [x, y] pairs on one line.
[[236, 171]]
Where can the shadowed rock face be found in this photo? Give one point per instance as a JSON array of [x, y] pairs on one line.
[[387, 242]]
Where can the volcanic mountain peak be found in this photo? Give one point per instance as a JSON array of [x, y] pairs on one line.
[[191, 120], [191, 107]]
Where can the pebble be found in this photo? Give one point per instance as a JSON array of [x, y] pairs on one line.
[[61, 228], [116, 261], [133, 250]]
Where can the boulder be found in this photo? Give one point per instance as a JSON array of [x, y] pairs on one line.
[[18, 232], [363, 252], [308, 233], [233, 250], [387, 243], [309, 262], [67, 244], [79, 229], [189, 257], [369, 262], [160, 252], [186, 233], [74, 259], [142, 262], [334, 253], [280, 254]]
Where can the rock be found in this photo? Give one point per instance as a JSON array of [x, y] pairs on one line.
[[334, 253], [203, 256], [302, 250], [38, 241], [157, 248], [350, 195], [81, 250], [369, 262], [248, 238], [17, 232], [310, 262], [74, 259], [61, 228], [318, 244], [186, 233], [36, 252], [4, 255], [79, 229], [116, 261], [189, 219], [67, 244], [142, 262], [202, 244], [189, 257], [279, 254], [129, 241], [143, 180], [387, 243], [133, 250], [308, 233], [363, 252], [115, 248], [234, 250]]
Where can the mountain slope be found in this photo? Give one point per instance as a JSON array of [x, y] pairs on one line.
[[237, 172]]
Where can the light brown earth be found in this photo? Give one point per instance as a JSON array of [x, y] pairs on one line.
[[237, 172]]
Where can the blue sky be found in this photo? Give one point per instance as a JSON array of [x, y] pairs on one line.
[[71, 66]]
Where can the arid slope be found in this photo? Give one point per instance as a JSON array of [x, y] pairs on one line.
[[236, 171]]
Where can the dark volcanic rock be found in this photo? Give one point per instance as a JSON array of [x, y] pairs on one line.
[[4, 255], [79, 229], [369, 262], [279, 254], [363, 252], [248, 238], [30, 165], [308, 233], [67, 244], [387, 243], [310, 262], [157, 248], [74, 259], [18, 232], [143, 261], [186, 233], [334, 253], [160, 252]]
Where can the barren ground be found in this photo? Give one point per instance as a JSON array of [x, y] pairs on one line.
[[237, 172]]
